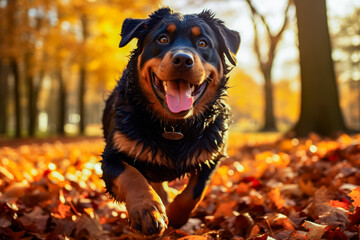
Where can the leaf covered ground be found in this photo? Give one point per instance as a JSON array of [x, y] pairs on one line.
[[286, 189]]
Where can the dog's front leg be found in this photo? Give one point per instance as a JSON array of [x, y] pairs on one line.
[[186, 202], [146, 211]]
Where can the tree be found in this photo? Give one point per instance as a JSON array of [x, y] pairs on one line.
[[320, 111], [4, 98], [345, 35], [12, 43], [57, 41], [266, 60]]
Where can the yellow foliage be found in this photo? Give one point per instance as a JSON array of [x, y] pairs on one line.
[[245, 98]]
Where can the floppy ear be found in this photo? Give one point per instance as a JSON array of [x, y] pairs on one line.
[[131, 28], [229, 43]]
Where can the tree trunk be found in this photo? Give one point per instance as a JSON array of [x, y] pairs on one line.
[[18, 117], [269, 124], [82, 100], [4, 98], [32, 96], [62, 104], [84, 24], [266, 65], [320, 110]]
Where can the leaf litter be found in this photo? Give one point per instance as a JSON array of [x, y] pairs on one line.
[[286, 189]]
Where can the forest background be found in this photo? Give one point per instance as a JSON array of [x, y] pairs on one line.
[[60, 59]]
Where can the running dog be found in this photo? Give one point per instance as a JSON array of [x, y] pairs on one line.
[[167, 117]]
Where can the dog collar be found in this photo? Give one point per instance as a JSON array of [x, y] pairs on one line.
[[172, 135]]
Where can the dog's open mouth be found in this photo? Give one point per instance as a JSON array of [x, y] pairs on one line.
[[180, 95]]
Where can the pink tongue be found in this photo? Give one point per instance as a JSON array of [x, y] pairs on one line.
[[178, 96]]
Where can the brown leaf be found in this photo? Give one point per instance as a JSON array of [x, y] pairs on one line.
[[35, 219], [243, 224], [193, 237], [336, 234], [316, 231], [282, 221], [225, 209], [5, 221], [89, 228]]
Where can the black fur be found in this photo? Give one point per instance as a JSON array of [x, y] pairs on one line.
[[129, 112]]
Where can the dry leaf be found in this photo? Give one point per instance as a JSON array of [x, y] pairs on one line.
[[316, 231], [307, 187], [276, 198], [57, 192], [225, 209], [355, 196]]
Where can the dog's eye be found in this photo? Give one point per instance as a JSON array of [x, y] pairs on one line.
[[163, 39], [202, 43]]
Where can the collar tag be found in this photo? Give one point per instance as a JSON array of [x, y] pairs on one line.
[[172, 135]]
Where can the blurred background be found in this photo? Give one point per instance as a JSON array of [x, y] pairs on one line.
[[60, 59]]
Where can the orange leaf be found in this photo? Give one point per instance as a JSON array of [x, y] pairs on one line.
[[63, 211], [307, 187], [225, 209], [242, 188], [337, 203], [355, 196], [275, 197]]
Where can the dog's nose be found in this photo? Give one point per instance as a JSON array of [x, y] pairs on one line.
[[182, 61]]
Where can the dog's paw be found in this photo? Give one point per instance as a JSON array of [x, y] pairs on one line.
[[148, 217]]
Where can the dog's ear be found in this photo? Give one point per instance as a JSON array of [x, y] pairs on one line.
[[131, 28], [229, 42]]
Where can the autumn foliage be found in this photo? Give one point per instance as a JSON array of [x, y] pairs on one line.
[[287, 189]]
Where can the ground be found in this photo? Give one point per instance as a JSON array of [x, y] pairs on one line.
[[268, 188]]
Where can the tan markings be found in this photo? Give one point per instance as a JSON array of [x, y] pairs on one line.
[[205, 157], [145, 84], [171, 28], [211, 89], [165, 71], [160, 190], [135, 150], [132, 188], [129, 180], [196, 31]]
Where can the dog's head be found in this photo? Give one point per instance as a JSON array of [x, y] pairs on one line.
[[181, 59]]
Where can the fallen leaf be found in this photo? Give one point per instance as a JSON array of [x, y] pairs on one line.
[[354, 217], [316, 231], [307, 187], [276, 198], [225, 209], [281, 221], [336, 234], [355, 196], [193, 237]]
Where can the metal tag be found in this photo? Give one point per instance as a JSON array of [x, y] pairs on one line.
[[173, 135]]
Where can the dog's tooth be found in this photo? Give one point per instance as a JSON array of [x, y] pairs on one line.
[[164, 85]]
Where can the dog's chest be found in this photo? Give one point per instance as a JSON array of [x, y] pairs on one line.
[[173, 156]]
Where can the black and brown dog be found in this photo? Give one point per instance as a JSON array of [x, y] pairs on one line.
[[166, 117]]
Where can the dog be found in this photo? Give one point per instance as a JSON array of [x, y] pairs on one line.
[[167, 117]]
